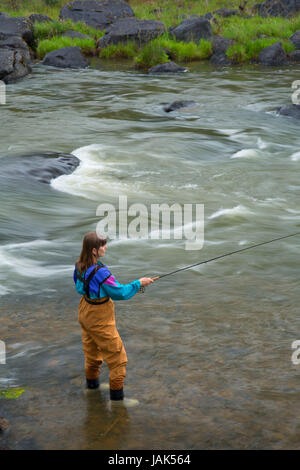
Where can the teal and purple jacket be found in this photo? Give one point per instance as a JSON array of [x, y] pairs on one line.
[[103, 284]]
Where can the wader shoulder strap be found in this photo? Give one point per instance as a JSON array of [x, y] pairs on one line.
[[87, 281]]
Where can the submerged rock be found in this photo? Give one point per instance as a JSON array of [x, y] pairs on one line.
[[98, 14], [178, 105], [131, 29], [292, 110], [273, 55], [168, 67], [67, 57], [39, 167]]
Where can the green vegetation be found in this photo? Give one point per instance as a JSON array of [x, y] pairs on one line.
[[151, 54], [250, 35], [119, 51], [49, 29], [11, 393], [48, 45]]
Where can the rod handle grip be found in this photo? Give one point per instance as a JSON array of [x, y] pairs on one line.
[[155, 278]]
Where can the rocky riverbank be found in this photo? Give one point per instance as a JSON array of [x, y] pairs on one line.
[[267, 34]]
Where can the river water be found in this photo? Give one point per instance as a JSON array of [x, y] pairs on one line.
[[209, 349]]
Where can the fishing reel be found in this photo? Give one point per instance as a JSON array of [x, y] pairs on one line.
[[142, 288]]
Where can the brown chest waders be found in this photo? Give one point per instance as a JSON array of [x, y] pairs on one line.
[[101, 342]]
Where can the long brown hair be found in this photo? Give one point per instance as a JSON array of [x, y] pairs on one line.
[[91, 240]]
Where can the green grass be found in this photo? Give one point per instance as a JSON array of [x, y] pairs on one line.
[[240, 53], [152, 54], [119, 51], [49, 29], [48, 45]]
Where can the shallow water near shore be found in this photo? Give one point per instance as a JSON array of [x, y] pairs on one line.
[[209, 349]]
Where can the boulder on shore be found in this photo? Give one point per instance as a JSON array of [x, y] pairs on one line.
[[131, 29], [16, 42], [21, 27], [219, 47], [273, 55], [98, 14], [38, 18], [168, 67], [284, 8], [13, 65], [66, 57], [193, 29], [295, 38]]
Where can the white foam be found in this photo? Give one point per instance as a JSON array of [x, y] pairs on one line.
[[96, 176], [295, 157], [239, 210], [246, 153]]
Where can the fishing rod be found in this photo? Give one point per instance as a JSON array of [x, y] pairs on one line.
[[222, 256]]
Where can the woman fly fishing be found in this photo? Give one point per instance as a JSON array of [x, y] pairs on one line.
[[100, 338]]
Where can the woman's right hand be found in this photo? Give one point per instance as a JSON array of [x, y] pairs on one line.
[[145, 281]]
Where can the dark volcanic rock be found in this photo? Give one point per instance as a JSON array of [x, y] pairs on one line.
[[219, 47], [36, 17], [21, 27], [193, 29], [294, 56], [75, 34], [284, 8], [53, 166], [97, 14], [131, 29], [225, 12], [220, 44], [220, 58], [168, 67], [39, 167], [178, 105], [273, 55], [67, 57], [292, 110], [15, 42], [13, 65], [295, 38]]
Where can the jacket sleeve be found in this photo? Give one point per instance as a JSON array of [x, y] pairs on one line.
[[117, 291]]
